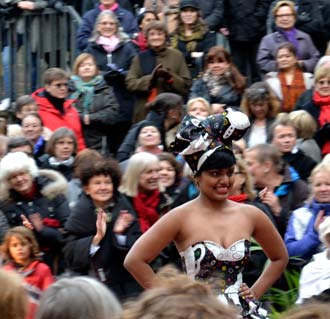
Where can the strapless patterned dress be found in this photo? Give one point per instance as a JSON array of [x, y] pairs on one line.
[[219, 267]]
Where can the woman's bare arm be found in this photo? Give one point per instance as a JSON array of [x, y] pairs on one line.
[[272, 244], [149, 245]]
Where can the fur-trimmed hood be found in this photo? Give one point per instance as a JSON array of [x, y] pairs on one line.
[[50, 183]]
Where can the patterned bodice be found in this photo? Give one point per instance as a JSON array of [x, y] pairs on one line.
[[219, 267]]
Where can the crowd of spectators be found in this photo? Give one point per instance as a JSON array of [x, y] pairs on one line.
[[86, 164]]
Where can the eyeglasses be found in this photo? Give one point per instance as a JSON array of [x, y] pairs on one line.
[[324, 82], [59, 85], [288, 15]]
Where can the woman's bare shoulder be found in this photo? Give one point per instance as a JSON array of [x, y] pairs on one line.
[[184, 209], [248, 209]]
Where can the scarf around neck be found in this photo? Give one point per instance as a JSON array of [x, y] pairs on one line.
[[56, 102], [113, 8], [141, 41], [108, 44], [146, 208], [241, 198], [292, 92], [86, 90], [214, 82], [190, 41], [323, 102]]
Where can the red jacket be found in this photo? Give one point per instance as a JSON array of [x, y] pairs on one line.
[[37, 277], [53, 119]]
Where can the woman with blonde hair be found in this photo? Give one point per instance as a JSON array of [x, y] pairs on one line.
[[198, 107], [301, 237], [316, 101], [95, 101], [306, 128], [141, 185]]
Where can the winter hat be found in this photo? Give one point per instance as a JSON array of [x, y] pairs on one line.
[[324, 230], [143, 124], [13, 163], [189, 3]]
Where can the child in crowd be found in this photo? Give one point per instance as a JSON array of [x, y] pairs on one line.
[[24, 105], [22, 255]]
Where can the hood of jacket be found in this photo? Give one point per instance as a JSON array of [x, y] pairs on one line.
[[49, 183]]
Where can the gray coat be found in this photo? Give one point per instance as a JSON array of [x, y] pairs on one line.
[[269, 44]]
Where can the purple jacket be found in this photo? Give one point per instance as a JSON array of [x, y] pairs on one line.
[[270, 42]]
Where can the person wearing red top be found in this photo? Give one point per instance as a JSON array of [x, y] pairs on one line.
[[55, 108], [21, 251]]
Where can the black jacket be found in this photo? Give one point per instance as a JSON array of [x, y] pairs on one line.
[[212, 13], [108, 260], [49, 202], [246, 20], [122, 57], [302, 163], [102, 114]]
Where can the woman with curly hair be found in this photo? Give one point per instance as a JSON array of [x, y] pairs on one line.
[[101, 229], [221, 84]]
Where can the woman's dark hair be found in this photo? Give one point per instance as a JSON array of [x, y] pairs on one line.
[[84, 157], [174, 163], [165, 102], [260, 92], [289, 46], [220, 159], [235, 78], [106, 167], [141, 16], [200, 22], [19, 141], [22, 101]]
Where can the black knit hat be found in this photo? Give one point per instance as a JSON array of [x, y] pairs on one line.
[[189, 3]]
